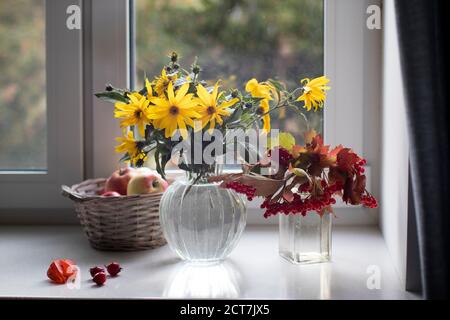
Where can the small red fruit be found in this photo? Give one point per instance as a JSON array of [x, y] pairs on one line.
[[99, 278], [93, 271], [113, 268]]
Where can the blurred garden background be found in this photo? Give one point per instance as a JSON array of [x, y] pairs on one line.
[[22, 85], [236, 40]]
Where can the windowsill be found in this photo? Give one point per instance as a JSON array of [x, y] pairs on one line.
[[254, 270]]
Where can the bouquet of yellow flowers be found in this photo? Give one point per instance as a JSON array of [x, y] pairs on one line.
[[177, 103]]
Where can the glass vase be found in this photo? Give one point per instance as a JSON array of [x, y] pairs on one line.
[[305, 239], [201, 221]]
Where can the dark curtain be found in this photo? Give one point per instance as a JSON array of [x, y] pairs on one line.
[[421, 27]]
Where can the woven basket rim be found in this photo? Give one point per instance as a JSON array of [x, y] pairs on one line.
[[70, 192]]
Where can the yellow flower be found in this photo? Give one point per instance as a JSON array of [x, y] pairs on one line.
[[314, 92], [134, 113], [148, 86], [258, 90], [261, 90], [208, 108], [175, 111], [130, 146], [162, 82], [264, 111]]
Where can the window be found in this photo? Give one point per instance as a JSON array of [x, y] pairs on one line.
[[40, 105], [235, 41], [23, 142], [75, 133]]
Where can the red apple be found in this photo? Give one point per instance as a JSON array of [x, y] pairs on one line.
[[111, 194], [148, 182], [118, 181]]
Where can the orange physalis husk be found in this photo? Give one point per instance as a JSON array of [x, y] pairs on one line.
[[61, 270]]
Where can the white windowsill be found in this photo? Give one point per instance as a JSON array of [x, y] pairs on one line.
[[254, 269]]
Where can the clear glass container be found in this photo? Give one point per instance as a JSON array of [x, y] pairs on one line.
[[202, 222], [305, 239]]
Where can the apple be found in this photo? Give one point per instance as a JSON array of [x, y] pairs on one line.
[[145, 183], [111, 194], [119, 179]]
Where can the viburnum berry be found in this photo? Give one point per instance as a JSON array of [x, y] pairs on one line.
[[369, 201], [99, 278], [94, 270], [113, 269], [249, 191], [304, 187], [299, 205]]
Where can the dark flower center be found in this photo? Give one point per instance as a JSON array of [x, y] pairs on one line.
[[138, 114], [211, 110], [173, 110]]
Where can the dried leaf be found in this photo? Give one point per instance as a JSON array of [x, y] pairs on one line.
[[264, 186]]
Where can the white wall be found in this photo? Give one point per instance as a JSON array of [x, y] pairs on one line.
[[395, 147]]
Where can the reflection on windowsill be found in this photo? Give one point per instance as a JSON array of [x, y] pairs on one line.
[[204, 281], [309, 281]]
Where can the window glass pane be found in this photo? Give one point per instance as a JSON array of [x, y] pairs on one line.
[[235, 41], [22, 85]]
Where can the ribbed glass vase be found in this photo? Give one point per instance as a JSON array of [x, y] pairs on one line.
[[201, 221], [305, 239]]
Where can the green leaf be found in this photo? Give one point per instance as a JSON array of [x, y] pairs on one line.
[[111, 96], [158, 163], [164, 159], [234, 116], [149, 147], [277, 84], [125, 157]]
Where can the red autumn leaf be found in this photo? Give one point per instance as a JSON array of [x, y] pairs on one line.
[[333, 153], [315, 156], [346, 159], [354, 189]]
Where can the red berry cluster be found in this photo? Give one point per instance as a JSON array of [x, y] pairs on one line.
[[296, 206], [302, 206], [369, 201], [249, 191], [359, 166], [305, 187], [284, 157]]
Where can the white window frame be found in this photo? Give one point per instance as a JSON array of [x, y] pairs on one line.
[[353, 62], [352, 56], [21, 191]]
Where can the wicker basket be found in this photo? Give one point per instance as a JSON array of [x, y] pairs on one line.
[[125, 223]]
